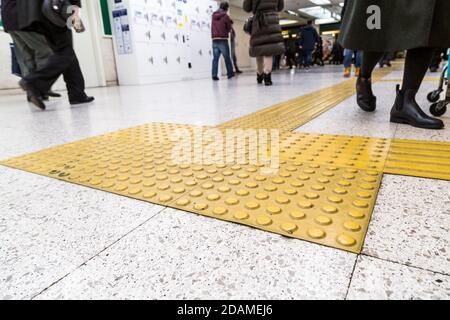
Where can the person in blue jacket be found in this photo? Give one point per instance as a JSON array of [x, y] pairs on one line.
[[309, 37]]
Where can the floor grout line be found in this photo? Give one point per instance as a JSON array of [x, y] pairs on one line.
[[404, 264], [163, 208], [351, 277]]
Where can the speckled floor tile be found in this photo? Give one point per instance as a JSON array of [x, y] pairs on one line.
[[48, 228], [411, 223], [180, 255], [366, 128], [382, 280], [410, 133]]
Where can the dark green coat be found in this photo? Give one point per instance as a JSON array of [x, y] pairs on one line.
[[405, 24], [266, 38]]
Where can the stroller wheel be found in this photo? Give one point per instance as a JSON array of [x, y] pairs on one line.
[[438, 109], [434, 96]]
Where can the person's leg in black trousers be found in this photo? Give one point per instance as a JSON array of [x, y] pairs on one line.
[[39, 82], [406, 110], [364, 95], [63, 62], [73, 77]]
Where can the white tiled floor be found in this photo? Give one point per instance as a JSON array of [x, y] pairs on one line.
[[59, 240]]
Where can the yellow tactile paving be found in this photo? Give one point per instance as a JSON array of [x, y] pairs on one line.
[[315, 200], [322, 204], [294, 113], [324, 191], [352, 152], [426, 159]]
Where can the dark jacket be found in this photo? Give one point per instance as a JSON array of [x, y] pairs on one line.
[[221, 25], [32, 19], [31, 13], [10, 18], [308, 37], [266, 38], [405, 24]]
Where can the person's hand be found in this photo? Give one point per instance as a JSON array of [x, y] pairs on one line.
[[78, 24]]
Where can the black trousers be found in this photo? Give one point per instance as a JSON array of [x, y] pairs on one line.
[[63, 62]]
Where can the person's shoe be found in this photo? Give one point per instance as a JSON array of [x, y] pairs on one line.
[[347, 72], [268, 79], [407, 111], [389, 64], [53, 94], [215, 78], [231, 77], [357, 72], [259, 78], [83, 100], [32, 94], [364, 95], [433, 69], [238, 71]]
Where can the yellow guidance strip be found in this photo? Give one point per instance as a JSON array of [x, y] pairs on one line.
[[344, 151], [314, 201], [433, 79], [426, 159], [294, 113]]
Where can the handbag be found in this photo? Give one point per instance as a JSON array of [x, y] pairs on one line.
[[248, 25], [15, 67]]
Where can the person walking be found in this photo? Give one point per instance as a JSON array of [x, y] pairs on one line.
[[63, 61], [348, 61], [221, 27], [414, 25], [32, 50], [266, 39], [233, 49], [309, 37], [291, 50], [318, 53]]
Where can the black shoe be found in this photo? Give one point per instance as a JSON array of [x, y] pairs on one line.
[[407, 111], [238, 71], [53, 94], [231, 77], [215, 78], [32, 94], [364, 95], [86, 99], [260, 78], [268, 79]]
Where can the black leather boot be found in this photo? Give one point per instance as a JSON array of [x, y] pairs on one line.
[[364, 95], [268, 79], [407, 111], [259, 78]]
